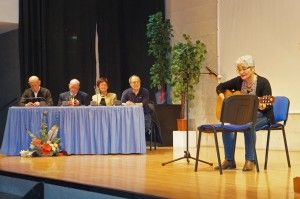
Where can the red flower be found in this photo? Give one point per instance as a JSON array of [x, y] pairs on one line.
[[36, 142], [46, 148]]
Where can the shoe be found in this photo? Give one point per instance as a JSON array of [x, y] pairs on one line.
[[227, 164], [249, 165]]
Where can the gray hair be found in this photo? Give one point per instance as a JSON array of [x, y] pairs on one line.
[[133, 77], [74, 81], [33, 78], [246, 60]]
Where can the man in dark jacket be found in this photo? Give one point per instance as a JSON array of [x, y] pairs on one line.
[[137, 95], [73, 97], [36, 95]]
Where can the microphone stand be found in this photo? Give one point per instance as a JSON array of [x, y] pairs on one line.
[[187, 154]]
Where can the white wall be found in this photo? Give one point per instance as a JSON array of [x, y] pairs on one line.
[[270, 31], [9, 11]]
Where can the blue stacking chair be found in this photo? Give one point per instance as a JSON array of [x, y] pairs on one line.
[[238, 114], [281, 110]]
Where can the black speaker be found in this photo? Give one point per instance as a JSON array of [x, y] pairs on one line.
[[167, 115]]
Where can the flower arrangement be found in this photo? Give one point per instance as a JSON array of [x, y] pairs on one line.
[[45, 145]]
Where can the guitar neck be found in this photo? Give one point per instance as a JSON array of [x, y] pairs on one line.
[[268, 99]]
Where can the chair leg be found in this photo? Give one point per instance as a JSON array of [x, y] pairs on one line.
[[151, 134], [218, 152], [155, 141], [286, 148], [235, 136], [255, 154], [267, 150], [198, 151]]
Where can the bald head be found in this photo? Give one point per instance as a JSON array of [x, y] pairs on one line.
[[74, 86], [34, 83]]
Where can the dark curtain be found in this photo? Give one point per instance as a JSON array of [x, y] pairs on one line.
[[32, 40], [71, 44], [122, 40], [57, 41]]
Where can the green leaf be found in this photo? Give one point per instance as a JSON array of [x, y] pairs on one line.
[[159, 34], [187, 60]]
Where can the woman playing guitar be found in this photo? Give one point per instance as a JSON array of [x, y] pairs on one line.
[[248, 83]]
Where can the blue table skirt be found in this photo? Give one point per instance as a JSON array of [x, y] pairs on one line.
[[83, 130]]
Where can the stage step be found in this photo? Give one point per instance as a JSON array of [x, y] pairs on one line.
[[9, 196], [28, 187], [11, 188]]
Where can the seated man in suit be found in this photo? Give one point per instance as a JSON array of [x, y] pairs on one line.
[[137, 95], [36, 95], [73, 97]]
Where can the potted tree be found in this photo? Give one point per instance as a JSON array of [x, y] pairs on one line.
[[159, 33], [187, 60]]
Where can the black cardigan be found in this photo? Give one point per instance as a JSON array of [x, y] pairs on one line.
[[263, 88]]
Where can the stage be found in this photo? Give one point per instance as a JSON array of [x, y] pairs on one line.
[[142, 176]]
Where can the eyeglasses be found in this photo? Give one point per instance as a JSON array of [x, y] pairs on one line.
[[134, 82], [242, 69]]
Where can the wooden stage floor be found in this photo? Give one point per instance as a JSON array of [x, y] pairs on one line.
[[144, 174]]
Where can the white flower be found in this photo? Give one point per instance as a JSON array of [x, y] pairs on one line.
[[25, 153], [52, 147]]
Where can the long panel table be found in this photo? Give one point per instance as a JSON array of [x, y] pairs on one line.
[[83, 130]]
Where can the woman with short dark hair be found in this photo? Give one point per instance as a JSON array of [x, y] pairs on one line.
[[103, 98]]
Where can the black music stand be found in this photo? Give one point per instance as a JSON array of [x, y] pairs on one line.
[[187, 154]]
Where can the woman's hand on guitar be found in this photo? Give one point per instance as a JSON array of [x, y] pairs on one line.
[[262, 106], [265, 101]]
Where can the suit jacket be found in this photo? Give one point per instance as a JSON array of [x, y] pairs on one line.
[[82, 97], [44, 97], [110, 98]]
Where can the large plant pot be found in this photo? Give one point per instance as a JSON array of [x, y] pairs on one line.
[[181, 124]]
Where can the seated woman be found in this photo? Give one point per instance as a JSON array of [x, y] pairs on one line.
[[103, 98]]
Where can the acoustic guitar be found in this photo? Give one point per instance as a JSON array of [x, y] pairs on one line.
[[265, 100]]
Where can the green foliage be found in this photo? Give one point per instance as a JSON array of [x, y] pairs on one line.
[[47, 144], [45, 134], [159, 33], [187, 60], [44, 127]]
